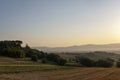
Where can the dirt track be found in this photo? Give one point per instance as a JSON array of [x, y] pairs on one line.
[[71, 74]]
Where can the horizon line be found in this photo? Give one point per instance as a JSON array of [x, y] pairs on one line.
[[78, 45]]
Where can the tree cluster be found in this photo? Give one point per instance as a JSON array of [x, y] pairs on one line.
[[56, 59], [14, 49], [10, 44], [49, 58], [13, 52], [84, 61]]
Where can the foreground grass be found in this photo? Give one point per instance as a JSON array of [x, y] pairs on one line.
[[11, 65], [17, 69]]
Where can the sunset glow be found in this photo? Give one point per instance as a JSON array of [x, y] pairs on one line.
[[56, 23]]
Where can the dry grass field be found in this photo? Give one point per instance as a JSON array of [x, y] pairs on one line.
[[24, 69], [63, 74]]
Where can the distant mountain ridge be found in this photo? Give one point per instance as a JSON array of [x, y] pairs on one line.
[[83, 48]]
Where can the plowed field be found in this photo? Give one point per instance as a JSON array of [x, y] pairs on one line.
[[70, 74]]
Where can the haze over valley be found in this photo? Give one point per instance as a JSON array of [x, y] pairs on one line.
[[83, 48]]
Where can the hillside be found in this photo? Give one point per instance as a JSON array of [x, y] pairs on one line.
[[92, 55]]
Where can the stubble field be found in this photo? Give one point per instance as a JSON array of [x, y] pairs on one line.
[[66, 74]]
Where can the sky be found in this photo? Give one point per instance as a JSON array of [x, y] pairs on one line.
[[57, 23]]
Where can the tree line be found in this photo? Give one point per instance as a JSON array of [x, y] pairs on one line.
[[87, 62], [10, 44], [13, 49]]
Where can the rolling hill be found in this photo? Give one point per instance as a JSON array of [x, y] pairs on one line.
[[83, 48], [92, 55]]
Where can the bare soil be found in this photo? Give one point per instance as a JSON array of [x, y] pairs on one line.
[[70, 74]]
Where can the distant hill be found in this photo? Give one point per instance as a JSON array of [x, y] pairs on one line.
[[83, 48], [92, 55]]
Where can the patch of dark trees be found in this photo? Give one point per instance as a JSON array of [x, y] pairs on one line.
[[15, 50], [87, 62]]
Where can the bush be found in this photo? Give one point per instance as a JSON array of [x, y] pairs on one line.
[[20, 54], [34, 58], [44, 60], [85, 61], [42, 55], [13, 52], [104, 63], [118, 64], [56, 59], [30, 52], [62, 62]]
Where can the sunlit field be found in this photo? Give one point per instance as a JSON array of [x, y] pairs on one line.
[[63, 74]]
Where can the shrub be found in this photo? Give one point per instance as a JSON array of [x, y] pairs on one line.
[[85, 61], [34, 58], [62, 62], [20, 54], [13, 52], [118, 64], [104, 63], [54, 58], [42, 55], [30, 52], [44, 60]]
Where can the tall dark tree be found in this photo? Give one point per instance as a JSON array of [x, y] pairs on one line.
[[10, 44]]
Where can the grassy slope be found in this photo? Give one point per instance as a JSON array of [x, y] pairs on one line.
[[17, 69], [10, 65]]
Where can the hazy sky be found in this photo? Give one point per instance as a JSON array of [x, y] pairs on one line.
[[60, 22]]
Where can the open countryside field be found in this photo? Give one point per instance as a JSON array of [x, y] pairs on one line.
[[24, 69], [66, 74], [11, 65]]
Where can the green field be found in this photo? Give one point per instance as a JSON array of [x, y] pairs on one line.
[[28, 68], [11, 65]]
